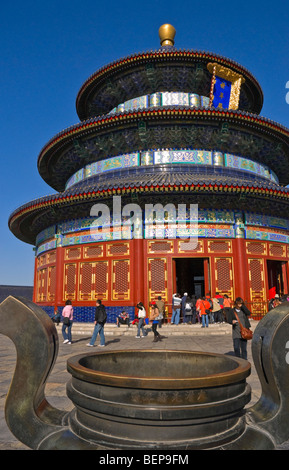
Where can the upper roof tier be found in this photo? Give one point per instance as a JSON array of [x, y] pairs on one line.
[[165, 69]]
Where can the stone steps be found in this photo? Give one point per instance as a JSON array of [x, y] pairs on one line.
[[86, 329]]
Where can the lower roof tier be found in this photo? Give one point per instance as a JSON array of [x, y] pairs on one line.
[[217, 188], [233, 132]]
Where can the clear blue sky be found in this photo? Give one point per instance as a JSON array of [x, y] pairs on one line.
[[49, 48]]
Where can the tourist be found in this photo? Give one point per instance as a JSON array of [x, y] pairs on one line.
[[67, 320], [183, 305], [161, 306], [216, 308], [176, 309], [239, 344], [210, 314], [227, 305], [141, 320], [188, 311], [219, 314], [123, 318], [56, 317], [274, 302], [195, 319], [203, 307], [155, 321], [99, 322]]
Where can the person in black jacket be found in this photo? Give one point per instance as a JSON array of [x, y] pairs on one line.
[[240, 344], [99, 321]]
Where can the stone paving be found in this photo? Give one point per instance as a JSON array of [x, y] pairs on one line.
[[216, 338]]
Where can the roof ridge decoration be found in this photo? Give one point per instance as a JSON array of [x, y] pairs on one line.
[[167, 35]]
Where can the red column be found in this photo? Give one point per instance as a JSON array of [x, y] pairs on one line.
[[241, 276], [59, 276], [35, 286], [137, 260], [206, 278]]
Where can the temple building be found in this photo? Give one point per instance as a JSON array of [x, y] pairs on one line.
[[170, 182]]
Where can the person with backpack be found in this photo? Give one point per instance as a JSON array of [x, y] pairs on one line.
[[188, 311], [99, 322]]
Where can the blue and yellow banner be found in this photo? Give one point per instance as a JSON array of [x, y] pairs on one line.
[[225, 87], [221, 93]]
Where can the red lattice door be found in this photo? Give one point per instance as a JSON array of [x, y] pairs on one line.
[[157, 276], [51, 287], [93, 281], [224, 276], [70, 281], [257, 286], [121, 279], [101, 280], [42, 285], [86, 281]]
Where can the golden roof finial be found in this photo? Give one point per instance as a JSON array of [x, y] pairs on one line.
[[167, 35]]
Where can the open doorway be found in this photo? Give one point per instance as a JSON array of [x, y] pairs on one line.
[[190, 276], [277, 277]]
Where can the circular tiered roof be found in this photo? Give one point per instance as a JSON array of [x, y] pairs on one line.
[[160, 70], [247, 134], [208, 188], [105, 131]]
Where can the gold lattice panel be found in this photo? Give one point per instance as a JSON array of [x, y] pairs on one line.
[[72, 253], [41, 261], [276, 250], [220, 246], [93, 281], [121, 279], [161, 246], [101, 280], [93, 251], [191, 246], [42, 280], [51, 287], [256, 279], [157, 277], [70, 281], [256, 248], [224, 276], [117, 249], [86, 281], [51, 257]]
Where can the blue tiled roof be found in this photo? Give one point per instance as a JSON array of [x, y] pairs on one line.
[[17, 291]]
